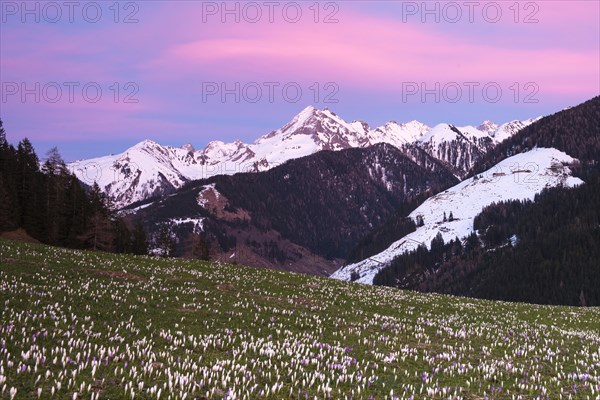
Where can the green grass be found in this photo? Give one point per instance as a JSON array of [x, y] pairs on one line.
[[103, 326]]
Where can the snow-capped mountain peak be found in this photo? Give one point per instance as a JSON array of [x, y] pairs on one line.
[[148, 168], [396, 134], [508, 129], [146, 144], [189, 147], [441, 133], [307, 118], [488, 127]]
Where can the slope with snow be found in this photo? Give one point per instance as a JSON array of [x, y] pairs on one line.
[[145, 170], [461, 147], [149, 169], [516, 178]]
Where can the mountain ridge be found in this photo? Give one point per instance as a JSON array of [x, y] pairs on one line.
[[149, 169]]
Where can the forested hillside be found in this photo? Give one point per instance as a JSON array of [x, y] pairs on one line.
[[546, 251], [52, 206], [542, 251], [324, 203]]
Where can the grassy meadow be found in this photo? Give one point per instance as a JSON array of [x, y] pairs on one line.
[[86, 325]]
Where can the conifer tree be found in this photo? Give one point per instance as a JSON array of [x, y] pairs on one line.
[[3, 141], [140, 242], [166, 242], [99, 234], [7, 221], [195, 247], [28, 188], [122, 237]]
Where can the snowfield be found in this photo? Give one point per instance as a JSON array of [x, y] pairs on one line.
[[516, 178]]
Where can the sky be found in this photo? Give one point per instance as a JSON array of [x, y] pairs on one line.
[[94, 78]]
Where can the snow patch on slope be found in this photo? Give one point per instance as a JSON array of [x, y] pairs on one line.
[[197, 223], [519, 177], [203, 197]]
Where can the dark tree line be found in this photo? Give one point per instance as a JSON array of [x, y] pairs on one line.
[[52, 206]]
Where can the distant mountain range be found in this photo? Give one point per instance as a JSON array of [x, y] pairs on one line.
[[149, 169]]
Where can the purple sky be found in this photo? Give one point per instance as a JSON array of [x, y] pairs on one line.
[[374, 61]]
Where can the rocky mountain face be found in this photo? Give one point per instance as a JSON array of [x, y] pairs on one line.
[[149, 169]]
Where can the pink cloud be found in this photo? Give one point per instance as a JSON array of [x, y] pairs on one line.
[[171, 46], [377, 53]]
